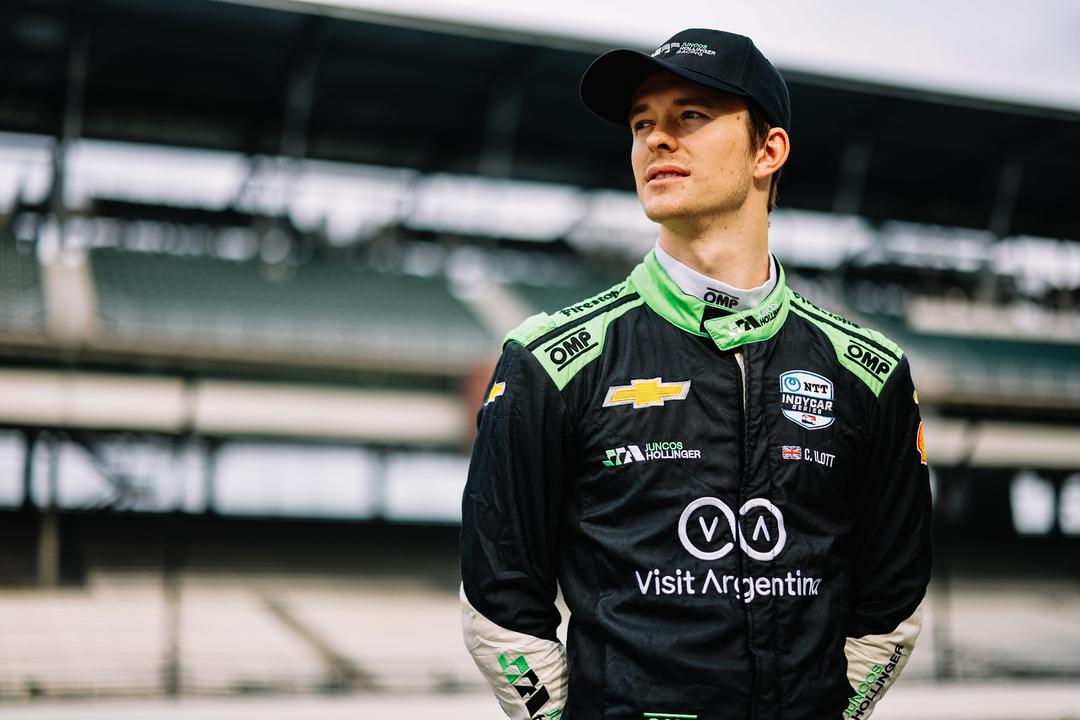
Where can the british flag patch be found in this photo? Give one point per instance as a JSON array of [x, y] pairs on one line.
[[791, 452]]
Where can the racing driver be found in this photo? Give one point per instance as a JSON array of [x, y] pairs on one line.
[[727, 482]]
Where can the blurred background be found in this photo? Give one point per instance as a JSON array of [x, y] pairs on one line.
[[256, 259]]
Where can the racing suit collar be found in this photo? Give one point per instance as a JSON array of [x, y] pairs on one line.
[[727, 330], [713, 291]]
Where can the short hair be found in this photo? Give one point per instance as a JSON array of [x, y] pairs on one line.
[[758, 127]]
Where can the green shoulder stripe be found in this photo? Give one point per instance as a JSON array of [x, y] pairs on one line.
[[866, 353], [534, 326], [540, 324], [573, 337]]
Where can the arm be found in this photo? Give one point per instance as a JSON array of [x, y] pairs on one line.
[[891, 548], [509, 539]]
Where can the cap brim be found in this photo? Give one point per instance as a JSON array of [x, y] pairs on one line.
[[609, 83]]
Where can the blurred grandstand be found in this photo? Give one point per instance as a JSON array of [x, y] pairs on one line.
[[255, 263]]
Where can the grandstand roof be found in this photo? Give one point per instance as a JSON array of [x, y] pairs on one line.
[[265, 81], [911, 43]]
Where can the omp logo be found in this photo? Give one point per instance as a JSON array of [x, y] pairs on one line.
[[526, 683], [646, 393], [624, 455], [766, 542], [719, 297], [563, 351], [496, 390], [878, 366]]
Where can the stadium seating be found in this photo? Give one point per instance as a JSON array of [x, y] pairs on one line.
[[22, 306], [965, 636], [321, 308], [237, 634], [230, 643], [270, 632], [401, 635], [97, 640]]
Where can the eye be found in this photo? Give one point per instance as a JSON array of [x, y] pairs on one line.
[[693, 115], [641, 124]]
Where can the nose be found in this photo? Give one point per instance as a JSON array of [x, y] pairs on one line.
[[659, 138]]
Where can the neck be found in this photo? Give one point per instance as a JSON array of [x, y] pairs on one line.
[[734, 250]]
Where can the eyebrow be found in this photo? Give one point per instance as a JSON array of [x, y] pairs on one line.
[[693, 100]]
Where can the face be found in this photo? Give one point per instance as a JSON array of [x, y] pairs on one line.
[[691, 150]]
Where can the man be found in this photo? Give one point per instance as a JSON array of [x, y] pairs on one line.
[[727, 482]]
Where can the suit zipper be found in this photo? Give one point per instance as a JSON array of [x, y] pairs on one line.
[[740, 361], [744, 459]]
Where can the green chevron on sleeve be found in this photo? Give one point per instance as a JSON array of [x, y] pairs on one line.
[[866, 353]]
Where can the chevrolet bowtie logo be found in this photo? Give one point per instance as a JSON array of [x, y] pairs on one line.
[[646, 393], [496, 390]]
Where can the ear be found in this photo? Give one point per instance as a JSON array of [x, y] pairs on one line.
[[773, 154]]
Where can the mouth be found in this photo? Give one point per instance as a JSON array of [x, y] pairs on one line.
[[659, 173]]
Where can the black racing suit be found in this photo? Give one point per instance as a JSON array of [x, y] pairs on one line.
[[727, 500]]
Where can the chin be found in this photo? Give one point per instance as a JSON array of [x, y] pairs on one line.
[[659, 210]]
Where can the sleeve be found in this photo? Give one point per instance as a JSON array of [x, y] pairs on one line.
[[890, 561], [509, 538]]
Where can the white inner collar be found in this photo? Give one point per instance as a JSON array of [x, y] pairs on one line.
[[712, 291]]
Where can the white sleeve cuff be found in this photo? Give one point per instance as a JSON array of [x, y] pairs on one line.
[[527, 673], [874, 663]]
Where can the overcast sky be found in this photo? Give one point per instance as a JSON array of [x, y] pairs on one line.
[[1022, 51]]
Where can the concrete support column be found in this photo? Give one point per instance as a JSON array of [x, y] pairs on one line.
[[48, 544]]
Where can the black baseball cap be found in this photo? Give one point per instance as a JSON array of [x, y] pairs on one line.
[[714, 58]]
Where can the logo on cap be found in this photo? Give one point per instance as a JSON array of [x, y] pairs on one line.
[[686, 48]]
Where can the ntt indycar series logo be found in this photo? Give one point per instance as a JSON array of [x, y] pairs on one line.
[[710, 530], [806, 399]]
